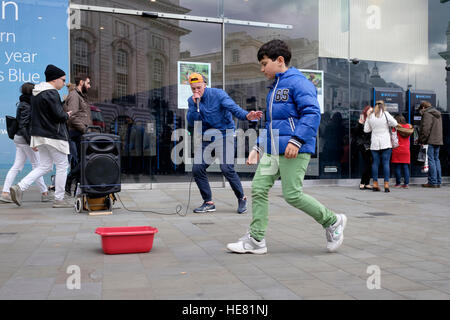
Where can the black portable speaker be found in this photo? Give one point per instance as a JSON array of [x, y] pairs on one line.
[[100, 164]]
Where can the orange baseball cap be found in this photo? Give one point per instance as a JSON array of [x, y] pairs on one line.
[[195, 77]]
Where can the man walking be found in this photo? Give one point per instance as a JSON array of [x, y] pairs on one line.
[[214, 108], [80, 120], [430, 133], [48, 136]]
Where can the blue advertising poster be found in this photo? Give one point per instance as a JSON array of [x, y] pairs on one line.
[[33, 34]]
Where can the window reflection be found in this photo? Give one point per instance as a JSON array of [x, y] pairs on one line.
[[134, 75], [81, 59]]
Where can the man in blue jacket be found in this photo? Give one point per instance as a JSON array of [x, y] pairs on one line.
[[215, 109], [293, 118]]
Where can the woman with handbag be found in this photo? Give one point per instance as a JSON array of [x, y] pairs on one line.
[[362, 142], [401, 155], [378, 123], [23, 149]]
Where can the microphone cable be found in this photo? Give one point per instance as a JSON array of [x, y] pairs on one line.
[[178, 208]]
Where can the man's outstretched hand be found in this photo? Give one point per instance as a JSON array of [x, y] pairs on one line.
[[254, 115]]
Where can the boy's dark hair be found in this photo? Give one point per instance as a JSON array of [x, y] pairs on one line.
[[80, 77], [27, 88], [274, 49]]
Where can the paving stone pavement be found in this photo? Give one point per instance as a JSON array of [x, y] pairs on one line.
[[403, 235]]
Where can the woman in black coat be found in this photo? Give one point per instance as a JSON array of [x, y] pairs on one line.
[[362, 141], [23, 149]]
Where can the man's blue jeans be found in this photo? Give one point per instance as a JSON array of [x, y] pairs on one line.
[[434, 165], [385, 157], [399, 167], [226, 166]]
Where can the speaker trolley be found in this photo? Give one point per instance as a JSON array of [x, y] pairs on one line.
[[95, 206], [100, 174]]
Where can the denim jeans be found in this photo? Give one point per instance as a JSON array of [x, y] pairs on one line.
[[385, 157], [226, 166], [434, 165], [399, 167]]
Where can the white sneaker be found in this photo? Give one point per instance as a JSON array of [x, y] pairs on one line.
[[335, 233], [16, 194], [65, 203], [46, 198], [6, 199], [247, 244]]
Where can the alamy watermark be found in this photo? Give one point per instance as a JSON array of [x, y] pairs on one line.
[[74, 280], [374, 280], [223, 147]]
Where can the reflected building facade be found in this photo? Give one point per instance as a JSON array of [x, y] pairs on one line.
[[446, 56], [133, 64]]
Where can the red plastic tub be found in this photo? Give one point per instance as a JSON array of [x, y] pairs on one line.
[[117, 240]]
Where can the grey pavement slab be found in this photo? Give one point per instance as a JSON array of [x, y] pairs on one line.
[[404, 233]]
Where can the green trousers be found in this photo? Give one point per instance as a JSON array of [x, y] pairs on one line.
[[292, 173]]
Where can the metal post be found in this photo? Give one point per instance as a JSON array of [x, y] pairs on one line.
[[223, 75], [223, 56], [220, 12], [184, 17], [349, 95]]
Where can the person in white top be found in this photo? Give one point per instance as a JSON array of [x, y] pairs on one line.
[[378, 123], [23, 149], [48, 136]]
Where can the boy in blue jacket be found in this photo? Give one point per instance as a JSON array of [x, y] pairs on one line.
[[293, 118], [215, 109]]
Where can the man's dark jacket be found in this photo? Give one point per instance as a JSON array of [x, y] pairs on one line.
[[48, 118], [431, 127]]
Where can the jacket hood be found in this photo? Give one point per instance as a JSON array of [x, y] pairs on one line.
[[41, 87], [433, 111]]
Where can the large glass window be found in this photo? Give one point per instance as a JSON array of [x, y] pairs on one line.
[[81, 58], [121, 74], [133, 62], [351, 49], [244, 81], [158, 68]]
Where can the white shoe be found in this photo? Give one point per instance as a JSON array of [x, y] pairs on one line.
[[247, 244], [335, 233], [16, 194], [46, 198], [6, 199], [65, 203]]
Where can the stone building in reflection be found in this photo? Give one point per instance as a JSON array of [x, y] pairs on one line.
[[244, 82], [132, 62], [446, 56]]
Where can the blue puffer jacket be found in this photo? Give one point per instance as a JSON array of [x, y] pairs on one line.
[[293, 110], [216, 111]]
